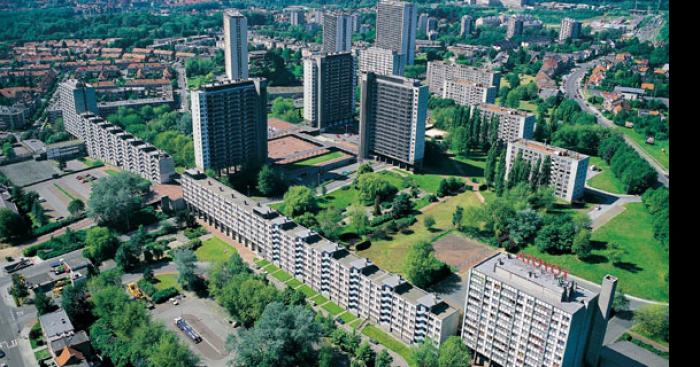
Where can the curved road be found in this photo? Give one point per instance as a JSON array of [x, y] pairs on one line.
[[573, 90]]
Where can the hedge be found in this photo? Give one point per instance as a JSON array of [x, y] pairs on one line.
[[164, 294]]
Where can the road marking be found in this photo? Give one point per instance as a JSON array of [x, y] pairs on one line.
[[11, 344]]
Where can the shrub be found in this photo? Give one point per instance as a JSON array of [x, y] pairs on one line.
[[146, 287], [164, 294]]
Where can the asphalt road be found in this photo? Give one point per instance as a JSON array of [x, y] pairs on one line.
[[572, 88]]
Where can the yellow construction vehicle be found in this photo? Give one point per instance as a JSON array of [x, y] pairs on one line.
[[134, 290]]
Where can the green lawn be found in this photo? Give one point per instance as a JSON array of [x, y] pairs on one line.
[[294, 283], [333, 308], [214, 250], [319, 299], [261, 262], [111, 172], [319, 159], [308, 291], [91, 162], [390, 254], [605, 180], [197, 81], [271, 268], [643, 267], [355, 324], [281, 275], [527, 106], [348, 317], [166, 281], [389, 342], [42, 354], [655, 150]]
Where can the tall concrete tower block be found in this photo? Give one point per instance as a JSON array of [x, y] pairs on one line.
[[599, 324]]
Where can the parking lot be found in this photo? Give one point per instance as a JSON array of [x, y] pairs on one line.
[[58, 193], [208, 319]]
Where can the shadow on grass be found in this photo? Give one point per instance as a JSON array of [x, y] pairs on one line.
[[628, 266], [595, 259], [446, 164]]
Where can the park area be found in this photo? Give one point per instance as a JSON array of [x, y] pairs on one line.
[[604, 180]]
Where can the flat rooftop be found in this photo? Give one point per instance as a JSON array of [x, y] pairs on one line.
[[547, 285], [502, 110], [549, 149]]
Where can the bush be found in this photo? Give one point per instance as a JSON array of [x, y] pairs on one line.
[[146, 287], [193, 233], [378, 220], [164, 294], [57, 246]]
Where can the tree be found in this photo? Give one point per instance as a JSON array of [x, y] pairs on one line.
[[358, 219], [522, 227], [615, 253], [457, 217], [652, 320], [168, 352], [114, 199], [556, 235], [100, 244], [12, 226], [325, 357], [128, 254], [298, 200], [422, 267], [621, 303], [329, 222], [372, 185], [74, 300], [42, 303], [426, 354], [383, 359], [364, 356], [270, 181], [582, 244], [364, 168], [429, 222], [75, 207], [38, 215], [283, 337], [500, 184], [491, 163], [185, 263], [401, 205], [545, 172], [454, 353], [245, 297]]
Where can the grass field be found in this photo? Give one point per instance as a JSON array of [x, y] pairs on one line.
[[333, 308], [214, 250], [42, 354], [91, 162], [656, 150], [390, 254], [319, 299], [644, 266], [390, 342], [111, 172], [308, 291], [348, 317], [605, 180], [166, 281], [281, 275], [319, 159]]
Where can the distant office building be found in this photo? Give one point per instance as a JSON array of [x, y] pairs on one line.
[[235, 45], [513, 124], [568, 169], [355, 20], [515, 27], [422, 24], [520, 311], [432, 25], [380, 61], [465, 25], [468, 93], [13, 117], [392, 119], [396, 28], [439, 72], [491, 20], [337, 33], [111, 144], [229, 124], [329, 95], [66, 150], [296, 17], [76, 98], [570, 29]]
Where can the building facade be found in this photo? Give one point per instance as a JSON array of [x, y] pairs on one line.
[[439, 72], [66, 150], [515, 27], [570, 29], [76, 98], [520, 311], [396, 28], [392, 119], [465, 25], [13, 117], [356, 284], [235, 45], [329, 94], [568, 169], [111, 144], [468, 93], [337, 33], [229, 124], [513, 124], [380, 61]]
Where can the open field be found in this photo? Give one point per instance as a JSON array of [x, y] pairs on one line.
[[461, 252], [390, 254], [213, 250], [658, 150], [605, 180], [166, 281], [644, 266]]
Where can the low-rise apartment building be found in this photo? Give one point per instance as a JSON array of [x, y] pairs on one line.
[[567, 174], [380, 61], [111, 144], [439, 72], [468, 93], [356, 284], [520, 311], [513, 124]]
